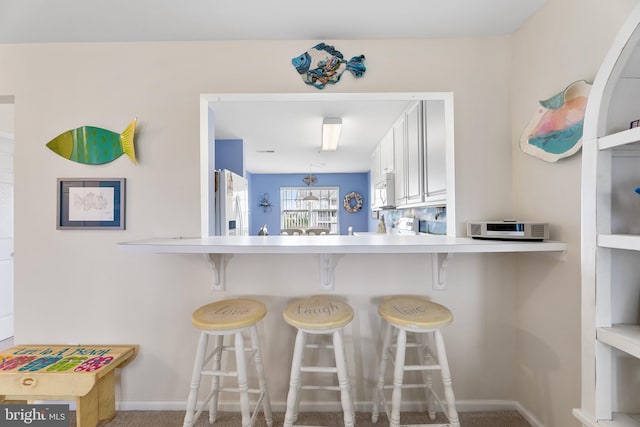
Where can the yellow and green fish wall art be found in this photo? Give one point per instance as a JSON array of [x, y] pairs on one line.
[[95, 146]]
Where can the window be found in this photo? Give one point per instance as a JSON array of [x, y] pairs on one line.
[[299, 213]]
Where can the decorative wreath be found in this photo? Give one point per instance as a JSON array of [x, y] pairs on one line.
[[352, 202]]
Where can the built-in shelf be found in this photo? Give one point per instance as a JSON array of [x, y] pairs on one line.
[[610, 171], [618, 139], [618, 420], [619, 241], [623, 337]]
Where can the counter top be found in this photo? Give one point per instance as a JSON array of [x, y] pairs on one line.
[[441, 249], [334, 244]]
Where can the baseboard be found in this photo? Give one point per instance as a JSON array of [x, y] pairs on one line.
[[462, 406], [528, 416]]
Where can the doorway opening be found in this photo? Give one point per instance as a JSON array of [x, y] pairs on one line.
[[7, 144]]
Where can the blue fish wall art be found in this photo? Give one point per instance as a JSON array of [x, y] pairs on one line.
[[323, 64]]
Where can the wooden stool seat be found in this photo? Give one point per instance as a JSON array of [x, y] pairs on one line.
[[228, 314], [319, 315], [423, 319], [229, 317], [414, 312]]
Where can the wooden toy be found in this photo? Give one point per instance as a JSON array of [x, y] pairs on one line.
[[84, 374]]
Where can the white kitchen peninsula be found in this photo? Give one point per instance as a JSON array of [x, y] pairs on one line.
[[440, 248]]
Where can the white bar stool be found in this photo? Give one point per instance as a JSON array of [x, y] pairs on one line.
[[218, 319], [319, 315], [424, 319]]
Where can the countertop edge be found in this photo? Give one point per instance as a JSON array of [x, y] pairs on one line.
[[336, 245]]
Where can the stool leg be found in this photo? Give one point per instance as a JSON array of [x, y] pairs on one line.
[[452, 414], [262, 381], [382, 370], [343, 379], [218, 341], [398, 374], [192, 400], [294, 383], [243, 385], [425, 346]]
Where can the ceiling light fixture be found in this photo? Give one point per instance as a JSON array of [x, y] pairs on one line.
[[331, 128], [310, 179]]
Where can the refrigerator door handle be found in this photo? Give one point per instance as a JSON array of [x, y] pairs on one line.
[[240, 225]]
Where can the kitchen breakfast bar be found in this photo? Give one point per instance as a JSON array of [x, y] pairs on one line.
[[440, 247], [473, 278]]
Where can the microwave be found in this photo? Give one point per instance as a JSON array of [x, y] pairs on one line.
[[384, 192]]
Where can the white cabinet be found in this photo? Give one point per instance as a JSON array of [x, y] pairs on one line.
[[387, 155], [435, 152], [382, 163], [611, 239], [420, 142], [399, 150], [375, 174], [413, 154]]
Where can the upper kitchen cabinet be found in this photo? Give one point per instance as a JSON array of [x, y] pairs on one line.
[[414, 148], [382, 158], [423, 142], [399, 150], [382, 165], [435, 153]]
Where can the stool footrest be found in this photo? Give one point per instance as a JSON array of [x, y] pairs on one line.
[[319, 346], [425, 425], [237, 390], [319, 369], [220, 373], [390, 386], [422, 368], [321, 387]]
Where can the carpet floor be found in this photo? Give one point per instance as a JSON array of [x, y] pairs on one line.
[[328, 419]]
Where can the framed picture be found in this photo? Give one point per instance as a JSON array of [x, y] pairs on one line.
[[90, 203]]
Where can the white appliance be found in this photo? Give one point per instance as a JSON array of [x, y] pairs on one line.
[[508, 230], [384, 192], [231, 204], [407, 226]]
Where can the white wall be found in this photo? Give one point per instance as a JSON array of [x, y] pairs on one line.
[[564, 42]]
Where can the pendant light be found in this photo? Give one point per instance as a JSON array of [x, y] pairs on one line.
[[310, 180]]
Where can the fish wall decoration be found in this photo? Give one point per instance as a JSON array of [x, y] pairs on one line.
[[95, 146], [323, 64], [555, 131]]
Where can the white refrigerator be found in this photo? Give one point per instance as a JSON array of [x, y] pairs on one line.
[[231, 208]]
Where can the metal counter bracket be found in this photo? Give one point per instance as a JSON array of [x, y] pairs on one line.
[[218, 262], [439, 270]]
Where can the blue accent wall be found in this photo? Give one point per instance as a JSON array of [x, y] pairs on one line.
[[229, 154], [270, 184]]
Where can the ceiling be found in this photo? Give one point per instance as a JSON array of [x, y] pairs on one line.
[[284, 134], [292, 129]]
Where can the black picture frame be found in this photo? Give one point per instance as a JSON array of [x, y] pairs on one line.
[[91, 204]]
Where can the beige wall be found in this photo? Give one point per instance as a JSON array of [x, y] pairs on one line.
[[77, 286], [548, 54]]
